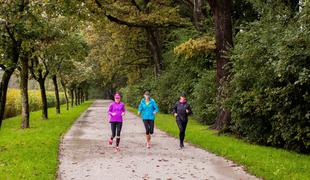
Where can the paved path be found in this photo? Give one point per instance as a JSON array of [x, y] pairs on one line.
[[85, 153]]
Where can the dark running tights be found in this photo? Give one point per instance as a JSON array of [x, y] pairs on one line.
[[116, 128], [149, 126], [182, 127]]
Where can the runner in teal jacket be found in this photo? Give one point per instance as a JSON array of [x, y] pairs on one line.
[[147, 109]]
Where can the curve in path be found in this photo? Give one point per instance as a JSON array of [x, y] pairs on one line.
[[85, 153]]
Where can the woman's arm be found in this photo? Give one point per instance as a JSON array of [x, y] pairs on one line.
[[110, 110], [155, 107], [189, 110], [123, 109]]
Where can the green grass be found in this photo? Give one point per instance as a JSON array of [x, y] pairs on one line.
[[33, 153], [262, 161]]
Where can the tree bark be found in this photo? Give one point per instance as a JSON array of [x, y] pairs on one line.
[[222, 16], [65, 90], [82, 96], [43, 97], [3, 91], [72, 97], [54, 78], [24, 92], [86, 95], [154, 46], [76, 96], [198, 14], [8, 71]]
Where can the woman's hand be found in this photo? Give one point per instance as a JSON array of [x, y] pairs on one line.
[[113, 113], [175, 114], [123, 113], [187, 111], [154, 112]]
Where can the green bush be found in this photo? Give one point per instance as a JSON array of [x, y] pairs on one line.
[[270, 98], [204, 98], [14, 105]]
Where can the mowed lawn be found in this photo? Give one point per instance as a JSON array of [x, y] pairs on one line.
[[264, 162], [33, 153]]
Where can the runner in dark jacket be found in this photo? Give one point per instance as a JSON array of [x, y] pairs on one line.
[[181, 111]]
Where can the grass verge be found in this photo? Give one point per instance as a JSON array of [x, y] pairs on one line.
[[33, 153], [265, 162]]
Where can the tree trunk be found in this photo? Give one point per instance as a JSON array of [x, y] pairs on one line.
[[66, 95], [86, 95], [43, 98], [155, 49], [3, 91], [54, 78], [82, 96], [72, 97], [24, 92], [76, 96], [79, 96], [222, 14], [198, 14]]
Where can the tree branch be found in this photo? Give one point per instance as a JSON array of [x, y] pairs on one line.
[[135, 4], [136, 24], [10, 33], [46, 70], [32, 70]]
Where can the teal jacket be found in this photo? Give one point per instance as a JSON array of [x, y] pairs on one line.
[[147, 111]]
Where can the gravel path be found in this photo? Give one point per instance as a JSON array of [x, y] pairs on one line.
[[86, 154]]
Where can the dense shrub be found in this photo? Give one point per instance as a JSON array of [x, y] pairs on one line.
[[204, 98], [270, 100], [13, 104]]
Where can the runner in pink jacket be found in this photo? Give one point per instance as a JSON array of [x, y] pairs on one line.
[[116, 112]]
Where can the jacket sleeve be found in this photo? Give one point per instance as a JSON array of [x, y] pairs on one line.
[[123, 109], [189, 109], [110, 110], [155, 106], [175, 108]]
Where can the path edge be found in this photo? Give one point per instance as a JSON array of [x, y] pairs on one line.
[[59, 152]]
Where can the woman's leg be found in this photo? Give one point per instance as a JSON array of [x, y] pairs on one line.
[[147, 127], [147, 132], [151, 126], [184, 124], [182, 127], [118, 134], [113, 129]]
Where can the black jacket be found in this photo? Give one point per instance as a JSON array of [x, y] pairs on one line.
[[180, 109]]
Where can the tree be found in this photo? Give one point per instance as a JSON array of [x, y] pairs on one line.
[[146, 15], [39, 72], [24, 90], [11, 24], [222, 16]]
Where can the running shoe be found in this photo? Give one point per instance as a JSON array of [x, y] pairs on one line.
[[117, 149]]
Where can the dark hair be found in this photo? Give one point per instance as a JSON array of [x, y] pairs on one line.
[[183, 94], [146, 93]]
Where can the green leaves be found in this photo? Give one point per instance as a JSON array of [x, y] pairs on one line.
[[269, 97]]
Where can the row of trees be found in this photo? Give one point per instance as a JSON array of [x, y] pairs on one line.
[[38, 42], [237, 60], [205, 47]]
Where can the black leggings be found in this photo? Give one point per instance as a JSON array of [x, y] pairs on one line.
[[149, 126], [182, 127], [116, 128]]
